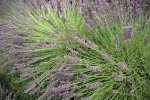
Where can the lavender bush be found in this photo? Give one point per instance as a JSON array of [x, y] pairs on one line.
[[79, 50]]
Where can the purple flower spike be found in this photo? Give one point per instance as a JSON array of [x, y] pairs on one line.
[[122, 65], [80, 3], [65, 70], [127, 32], [94, 68], [104, 56], [60, 89], [62, 18], [47, 44], [82, 75], [117, 77], [71, 59], [58, 5], [84, 42], [103, 4]]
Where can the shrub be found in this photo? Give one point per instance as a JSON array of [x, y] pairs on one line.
[[67, 53]]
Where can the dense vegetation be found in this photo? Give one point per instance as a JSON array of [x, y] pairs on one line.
[[74, 50]]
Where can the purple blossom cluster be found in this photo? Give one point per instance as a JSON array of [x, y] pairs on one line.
[[24, 70], [127, 32], [47, 44], [117, 77], [122, 65], [71, 59], [59, 89], [65, 70], [94, 68], [60, 79], [81, 75], [104, 56], [84, 42]]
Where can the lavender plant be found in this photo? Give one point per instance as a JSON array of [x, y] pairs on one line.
[[70, 53]]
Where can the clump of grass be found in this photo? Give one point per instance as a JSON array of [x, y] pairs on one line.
[[60, 57]]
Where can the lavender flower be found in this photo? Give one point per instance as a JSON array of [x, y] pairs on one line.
[[94, 13], [62, 18], [84, 42], [81, 75], [137, 8], [77, 38], [71, 59], [63, 82], [47, 44], [80, 3], [65, 67], [117, 77], [28, 69], [19, 66], [69, 94], [59, 89], [25, 71], [52, 33], [14, 51], [94, 68], [104, 56], [127, 32], [103, 4], [19, 40], [55, 77], [66, 71], [94, 85], [121, 65], [80, 40], [58, 5]]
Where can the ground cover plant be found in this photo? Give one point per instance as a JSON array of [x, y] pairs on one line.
[[74, 50]]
